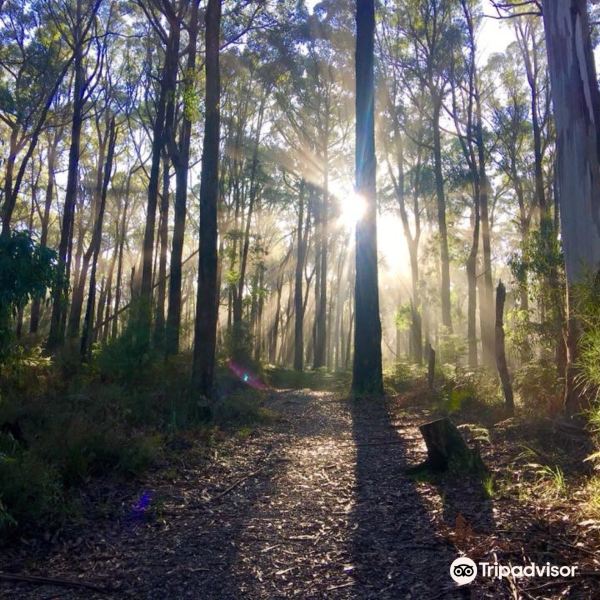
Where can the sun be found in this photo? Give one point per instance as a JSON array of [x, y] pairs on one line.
[[351, 206]]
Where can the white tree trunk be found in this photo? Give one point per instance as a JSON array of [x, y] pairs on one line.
[[576, 102]]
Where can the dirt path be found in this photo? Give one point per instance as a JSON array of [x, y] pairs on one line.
[[327, 512]]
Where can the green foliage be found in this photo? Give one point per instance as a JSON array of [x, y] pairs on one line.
[[401, 376], [241, 408], [128, 358], [539, 266], [27, 270], [463, 390], [586, 301], [403, 317], [538, 387], [239, 343], [452, 348], [30, 490]]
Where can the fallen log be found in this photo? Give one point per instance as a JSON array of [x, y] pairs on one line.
[[447, 448]]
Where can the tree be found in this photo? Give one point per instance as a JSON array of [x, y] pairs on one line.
[[367, 371], [205, 331], [180, 156], [81, 21], [576, 101], [168, 85]]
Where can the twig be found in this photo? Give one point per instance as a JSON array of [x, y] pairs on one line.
[[235, 484], [16, 578]]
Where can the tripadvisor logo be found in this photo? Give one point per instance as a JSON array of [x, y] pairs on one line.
[[463, 570]]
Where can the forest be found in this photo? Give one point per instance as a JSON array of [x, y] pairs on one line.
[[300, 298]]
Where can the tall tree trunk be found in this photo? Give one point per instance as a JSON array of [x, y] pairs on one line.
[[52, 148], [367, 371], [181, 162], [88, 323], [472, 285], [163, 236], [239, 296], [576, 100], [486, 307], [121, 242], [275, 328], [83, 265], [441, 216], [61, 290], [167, 90], [205, 332], [320, 358], [298, 280]]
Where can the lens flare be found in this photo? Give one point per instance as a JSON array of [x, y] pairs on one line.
[[247, 376]]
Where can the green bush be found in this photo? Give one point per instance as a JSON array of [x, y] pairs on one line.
[[538, 387], [463, 389], [30, 491], [242, 407], [27, 270], [128, 359]]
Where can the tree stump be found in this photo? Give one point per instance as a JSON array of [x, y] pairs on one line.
[[445, 447]]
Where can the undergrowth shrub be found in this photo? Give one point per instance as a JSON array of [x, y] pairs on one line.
[[538, 387], [242, 407], [462, 389], [401, 376], [30, 491]]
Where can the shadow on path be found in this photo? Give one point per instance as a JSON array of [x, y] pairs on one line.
[[396, 550]]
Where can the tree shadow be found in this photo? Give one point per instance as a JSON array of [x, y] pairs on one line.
[[397, 551]]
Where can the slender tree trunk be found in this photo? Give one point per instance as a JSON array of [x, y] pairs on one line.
[[83, 264], [61, 290], [239, 297], [121, 242], [472, 285], [298, 280], [180, 210], [275, 328], [167, 89], [367, 371], [163, 236], [52, 148], [205, 333], [486, 308], [441, 216], [320, 358], [88, 323]]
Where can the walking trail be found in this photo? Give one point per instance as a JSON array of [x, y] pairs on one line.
[[315, 505]]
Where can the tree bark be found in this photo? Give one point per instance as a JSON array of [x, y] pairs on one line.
[[576, 100], [500, 350], [163, 236], [88, 323], [61, 290], [181, 163], [167, 88], [441, 217], [52, 148], [367, 370], [205, 332], [299, 274]]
